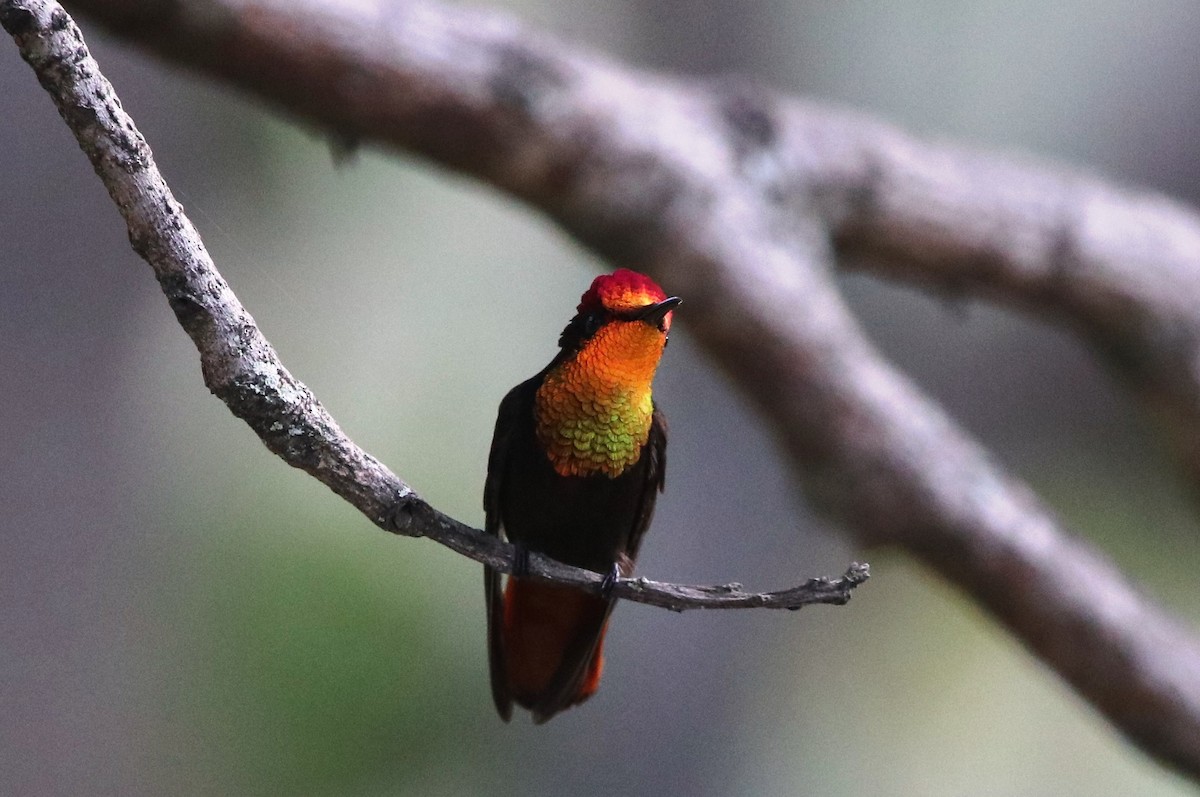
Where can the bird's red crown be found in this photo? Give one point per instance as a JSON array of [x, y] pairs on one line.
[[621, 290]]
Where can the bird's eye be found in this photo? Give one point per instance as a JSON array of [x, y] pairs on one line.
[[591, 323]]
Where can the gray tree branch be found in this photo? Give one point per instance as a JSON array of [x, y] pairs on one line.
[[744, 201], [1121, 268], [242, 369]]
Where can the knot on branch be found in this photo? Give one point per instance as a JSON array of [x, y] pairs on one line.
[[406, 517], [17, 20]]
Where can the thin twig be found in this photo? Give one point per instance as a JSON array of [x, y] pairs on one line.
[[241, 367]]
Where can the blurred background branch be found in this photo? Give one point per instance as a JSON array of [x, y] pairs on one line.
[[745, 201]]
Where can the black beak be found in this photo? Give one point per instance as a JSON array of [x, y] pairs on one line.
[[653, 314]]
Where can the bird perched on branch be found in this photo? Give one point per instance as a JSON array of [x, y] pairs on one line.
[[576, 464]]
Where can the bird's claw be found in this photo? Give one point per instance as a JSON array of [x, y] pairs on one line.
[[520, 560], [610, 581]]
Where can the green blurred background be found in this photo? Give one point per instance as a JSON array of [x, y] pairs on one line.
[[181, 613]]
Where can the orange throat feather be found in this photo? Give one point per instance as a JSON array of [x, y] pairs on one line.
[[593, 411]]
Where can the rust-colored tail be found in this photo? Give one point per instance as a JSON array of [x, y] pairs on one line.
[[553, 638]]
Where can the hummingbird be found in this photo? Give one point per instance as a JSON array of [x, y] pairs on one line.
[[576, 463]]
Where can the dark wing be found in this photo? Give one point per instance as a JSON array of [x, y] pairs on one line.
[[653, 483], [506, 422]]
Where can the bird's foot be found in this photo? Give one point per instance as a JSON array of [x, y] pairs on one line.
[[520, 560], [610, 581]]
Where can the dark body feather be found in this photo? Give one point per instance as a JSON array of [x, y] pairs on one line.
[[593, 522]]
